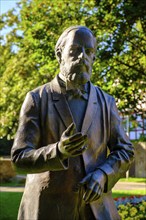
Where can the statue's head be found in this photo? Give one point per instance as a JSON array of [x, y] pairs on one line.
[[75, 51]]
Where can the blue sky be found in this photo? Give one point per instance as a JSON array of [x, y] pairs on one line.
[[6, 5]]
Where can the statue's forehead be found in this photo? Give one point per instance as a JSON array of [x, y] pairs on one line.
[[80, 36]]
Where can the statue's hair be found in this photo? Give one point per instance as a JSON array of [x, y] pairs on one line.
[[62, 39]]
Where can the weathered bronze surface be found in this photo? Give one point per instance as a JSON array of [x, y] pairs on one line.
[[65, 129]]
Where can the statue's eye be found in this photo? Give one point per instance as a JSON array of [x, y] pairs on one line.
[[88, 51], [72, 51], [75, 49]]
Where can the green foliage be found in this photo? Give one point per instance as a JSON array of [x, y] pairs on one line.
[[28, 51]]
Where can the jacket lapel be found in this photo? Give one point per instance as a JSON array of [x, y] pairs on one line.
[[91, 109], [60, 103], [89, 156], [63, 108]]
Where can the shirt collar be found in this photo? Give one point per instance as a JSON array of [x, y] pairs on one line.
[[83, 92]]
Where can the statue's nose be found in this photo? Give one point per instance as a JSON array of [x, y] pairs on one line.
[[82, 53]]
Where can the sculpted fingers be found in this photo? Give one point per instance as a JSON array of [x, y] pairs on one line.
[[74, 140], [77, 152], [70, 134], [93, 192], [94, 183], [72, 144], [77, 143], [77, 137], [70, 130], [96, 195], [77, 147]]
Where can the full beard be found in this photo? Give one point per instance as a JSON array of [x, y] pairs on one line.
[[76, 75]]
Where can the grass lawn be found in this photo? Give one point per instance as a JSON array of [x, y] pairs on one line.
[[9, 204], [133, 179], [9, 201], [124, 193]]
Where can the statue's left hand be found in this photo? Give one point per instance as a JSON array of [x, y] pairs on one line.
[[94, 185]]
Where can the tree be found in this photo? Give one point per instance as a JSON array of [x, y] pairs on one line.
[[30, 59]]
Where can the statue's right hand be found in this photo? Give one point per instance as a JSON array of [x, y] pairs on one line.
[[72, 144]]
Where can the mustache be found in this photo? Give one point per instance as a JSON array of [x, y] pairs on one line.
[[71, 71]]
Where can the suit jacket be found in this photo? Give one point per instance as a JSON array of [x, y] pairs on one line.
[[50, 190]]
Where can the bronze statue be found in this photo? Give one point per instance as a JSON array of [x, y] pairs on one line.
[[65, 129]]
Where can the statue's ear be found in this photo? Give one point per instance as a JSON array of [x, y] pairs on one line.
[[58, 54]]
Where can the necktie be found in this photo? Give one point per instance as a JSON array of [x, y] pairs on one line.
[[76, 93]]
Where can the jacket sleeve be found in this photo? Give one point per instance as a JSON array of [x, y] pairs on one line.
[[121, 150], [27, 154]]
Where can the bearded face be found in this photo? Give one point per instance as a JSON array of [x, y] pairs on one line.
[[77, 58]]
